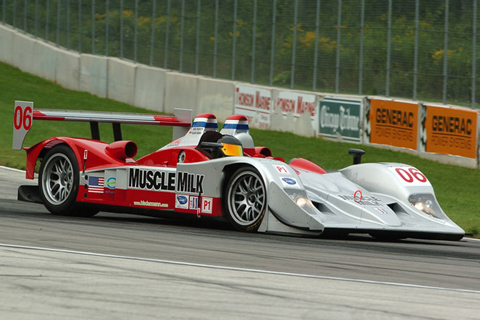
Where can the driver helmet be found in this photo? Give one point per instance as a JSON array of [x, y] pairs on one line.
[[246, 140], [231, 146]]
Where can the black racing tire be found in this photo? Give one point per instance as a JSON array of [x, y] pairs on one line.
[[58, 182], [245, 199]]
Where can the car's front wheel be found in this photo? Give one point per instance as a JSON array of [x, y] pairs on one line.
[[58, 183], [245, 199]]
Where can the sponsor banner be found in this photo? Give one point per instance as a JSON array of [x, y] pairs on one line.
[[146, 203], [185, 201], [163, 180], [111, 183], [255, 104], [451, 131], [190, 182], [339, 116], [151, 179], [360, 199], [193, 203], [393, 123], [288, 103], [181, 201], [290, 183]]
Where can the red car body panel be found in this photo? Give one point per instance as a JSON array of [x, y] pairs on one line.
[[154, 173]]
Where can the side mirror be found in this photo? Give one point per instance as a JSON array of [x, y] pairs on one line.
[[357, 155]]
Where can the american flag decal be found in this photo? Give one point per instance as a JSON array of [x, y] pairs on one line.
[[95, 184]]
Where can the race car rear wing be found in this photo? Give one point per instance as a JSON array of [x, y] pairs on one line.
[[24, 115]]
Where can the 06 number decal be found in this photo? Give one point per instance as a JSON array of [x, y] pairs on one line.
[[411, 174], [22, 118]]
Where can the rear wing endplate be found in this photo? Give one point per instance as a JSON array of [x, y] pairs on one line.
[[24, 115]]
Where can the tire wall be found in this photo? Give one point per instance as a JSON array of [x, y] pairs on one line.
[[444, 133]]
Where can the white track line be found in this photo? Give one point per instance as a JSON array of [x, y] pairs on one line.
[[12, 169], [239, 269]]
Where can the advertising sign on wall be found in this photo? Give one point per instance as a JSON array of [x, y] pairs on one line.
[[293, 105], [339, 116], [393, 123], [450, 131], [255, 104]]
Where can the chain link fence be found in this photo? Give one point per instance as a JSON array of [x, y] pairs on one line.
[[421, 50]]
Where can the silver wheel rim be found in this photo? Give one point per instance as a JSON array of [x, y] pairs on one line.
[[57, 179], [246, 198]]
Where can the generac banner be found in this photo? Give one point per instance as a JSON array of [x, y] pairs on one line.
[[451, 131], [393, 123]]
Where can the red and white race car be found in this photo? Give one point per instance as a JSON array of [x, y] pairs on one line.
[[207, 172]]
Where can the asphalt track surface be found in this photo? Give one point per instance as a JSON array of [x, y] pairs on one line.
[[116, 266]]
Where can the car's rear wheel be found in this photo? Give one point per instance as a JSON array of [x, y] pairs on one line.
[[58, 182], [245, 199]]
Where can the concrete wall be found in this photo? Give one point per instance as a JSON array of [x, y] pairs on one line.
[[45, 61], [68, 70], [215, 96], [450, 159], [40, 58], [162, 91], [24, 55], [93, 74], [121, 80], [150, 86], [6, 45], [180, 92]]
